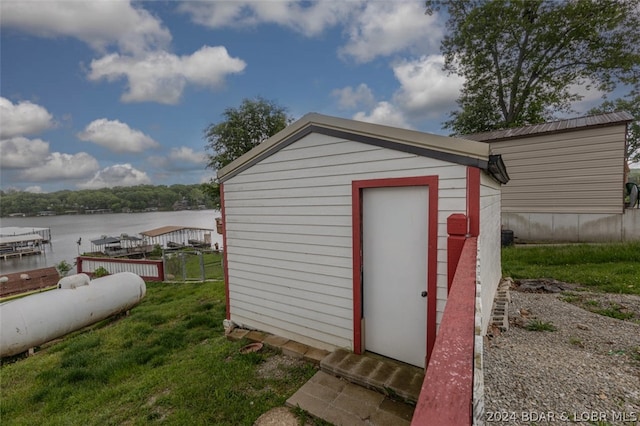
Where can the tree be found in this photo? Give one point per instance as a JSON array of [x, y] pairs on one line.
[[523, 59], [632, 106], [243, 128]]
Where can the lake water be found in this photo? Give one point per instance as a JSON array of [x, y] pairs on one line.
[[67, 229]]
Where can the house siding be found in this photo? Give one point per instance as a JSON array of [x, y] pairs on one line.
[[573, 172], [489, 244], [288, 234]]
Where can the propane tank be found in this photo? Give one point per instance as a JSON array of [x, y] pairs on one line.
[[76, 303]]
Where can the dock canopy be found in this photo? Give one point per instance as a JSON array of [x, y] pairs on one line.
[[175, 236], [105, 240]]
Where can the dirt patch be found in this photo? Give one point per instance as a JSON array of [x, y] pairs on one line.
[[278, 366], [279, 416], [619, 306]]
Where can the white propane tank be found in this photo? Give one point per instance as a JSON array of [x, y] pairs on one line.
[[77, 303], [73, 281]]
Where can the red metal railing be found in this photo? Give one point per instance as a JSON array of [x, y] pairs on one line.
[[148, 270], [447, 391]]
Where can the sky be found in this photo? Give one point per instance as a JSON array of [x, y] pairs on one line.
[[98, 94]]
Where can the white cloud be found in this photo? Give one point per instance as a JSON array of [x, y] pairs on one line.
[[100, 24], [425, 92], [308, 18], [23, 118], [591, 97], [35, 189], [387, 27], [188, 155], [425, 89], [59, 166], [116, 136], [371, 28], [384, 113], [161, 76], [116, 175], [350, 98], [180, 159], [20, 152]]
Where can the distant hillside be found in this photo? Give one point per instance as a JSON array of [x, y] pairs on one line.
[[116, 200]]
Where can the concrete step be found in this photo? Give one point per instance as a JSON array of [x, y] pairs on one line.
[[342, 403], [391, 378]]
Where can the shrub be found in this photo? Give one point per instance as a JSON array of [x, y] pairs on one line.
[[100, 272], [63, 268]]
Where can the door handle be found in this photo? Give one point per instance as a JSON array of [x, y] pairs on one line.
[[423, 294]]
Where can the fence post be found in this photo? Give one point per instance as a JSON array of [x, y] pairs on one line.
[[202, 274], [161, 269], [183, 262], [457, 230]]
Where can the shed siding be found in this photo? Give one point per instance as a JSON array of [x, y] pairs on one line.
[[288, 234], [573, 172], [489, 242]]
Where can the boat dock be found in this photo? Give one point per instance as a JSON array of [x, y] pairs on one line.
[[18, 242], [179, 236]]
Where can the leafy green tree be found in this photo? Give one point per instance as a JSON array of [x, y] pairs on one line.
[[632, 106], [522, 59], [243, 128], [212, 191]]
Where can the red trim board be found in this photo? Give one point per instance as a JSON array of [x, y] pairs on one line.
[[432, 251], [473, 200]]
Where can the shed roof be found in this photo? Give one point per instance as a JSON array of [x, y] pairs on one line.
[[600, 120], [454, 150]]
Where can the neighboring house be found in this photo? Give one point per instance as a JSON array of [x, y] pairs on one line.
[[335, 233], [567, 180]]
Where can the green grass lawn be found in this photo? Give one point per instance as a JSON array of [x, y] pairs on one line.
[[167, 361], [612, 268]]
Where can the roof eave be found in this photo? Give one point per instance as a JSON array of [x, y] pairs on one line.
[[464, 151]]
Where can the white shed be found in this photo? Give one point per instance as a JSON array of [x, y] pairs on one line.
[[335, 233]]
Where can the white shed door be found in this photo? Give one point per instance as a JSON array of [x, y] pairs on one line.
[[394, 275]]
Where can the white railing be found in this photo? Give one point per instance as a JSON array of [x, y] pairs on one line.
[[149, 270]]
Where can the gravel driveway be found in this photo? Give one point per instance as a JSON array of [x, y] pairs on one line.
[[587, 371]]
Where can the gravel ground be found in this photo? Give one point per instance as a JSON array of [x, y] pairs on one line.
[[587, 371]]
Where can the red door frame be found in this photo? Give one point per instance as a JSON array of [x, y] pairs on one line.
[[432, 251]]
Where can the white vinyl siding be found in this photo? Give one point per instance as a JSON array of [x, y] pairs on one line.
[[489, 244], [573, 172], [289, 236]]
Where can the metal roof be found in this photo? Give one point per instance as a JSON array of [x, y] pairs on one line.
[[20, 238], [600, 120], [450, 149], [105, 240], [19, 230], [169, 229]]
